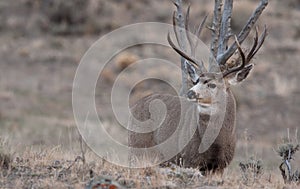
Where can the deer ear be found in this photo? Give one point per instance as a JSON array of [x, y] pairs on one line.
[[241, 75], [192, 72]]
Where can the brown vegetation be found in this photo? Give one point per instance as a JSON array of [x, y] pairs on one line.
[[39, 56]]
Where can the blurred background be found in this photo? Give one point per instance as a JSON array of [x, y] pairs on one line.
[[42, 42]]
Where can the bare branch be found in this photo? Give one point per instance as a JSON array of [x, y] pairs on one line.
[[216, 27], [222, 58], [178, 20], [174, 27], [225, 30]]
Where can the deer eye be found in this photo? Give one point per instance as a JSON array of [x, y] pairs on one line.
[[211, 85]]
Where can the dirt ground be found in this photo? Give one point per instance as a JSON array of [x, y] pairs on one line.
[[42, 42]]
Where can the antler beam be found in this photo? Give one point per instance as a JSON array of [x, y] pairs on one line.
[[183, 36]]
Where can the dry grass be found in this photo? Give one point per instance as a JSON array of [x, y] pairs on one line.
[[5, 156], [54, 167], [37, 70], [48, 167]]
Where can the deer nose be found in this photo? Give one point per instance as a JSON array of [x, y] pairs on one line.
[[191, 94]]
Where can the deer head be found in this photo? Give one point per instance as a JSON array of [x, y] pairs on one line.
[[205, 84]]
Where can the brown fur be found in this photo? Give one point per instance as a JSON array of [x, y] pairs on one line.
[[215, 159]]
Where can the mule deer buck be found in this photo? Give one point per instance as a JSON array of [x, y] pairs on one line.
[[200, 86]]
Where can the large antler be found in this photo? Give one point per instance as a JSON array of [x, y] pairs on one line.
[[254, 49], [182, 31], [192, 44], [221, 33], [222, 54]]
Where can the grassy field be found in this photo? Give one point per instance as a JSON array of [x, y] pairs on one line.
[[41, 46]]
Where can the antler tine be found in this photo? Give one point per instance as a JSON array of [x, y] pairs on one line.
[[199, 30], [243, 60], [187, 32], [174, 2], [250, 54], [192, 60], [255, 47], [260, 41], [194, 44]]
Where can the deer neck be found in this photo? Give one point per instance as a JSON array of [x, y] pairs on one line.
[[228, 105]]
